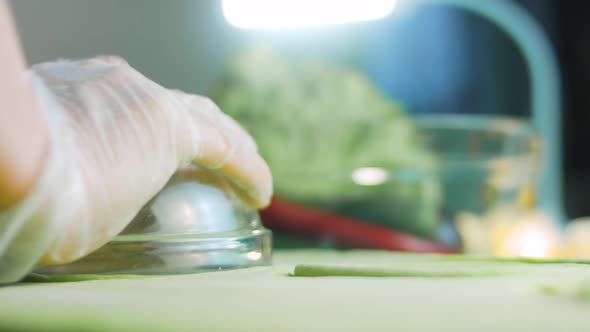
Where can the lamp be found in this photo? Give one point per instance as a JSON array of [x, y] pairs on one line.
[[292, 14]]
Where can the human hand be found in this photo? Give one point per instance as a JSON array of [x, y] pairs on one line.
[[116, 138]]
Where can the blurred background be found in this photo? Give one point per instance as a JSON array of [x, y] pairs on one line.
[[438, 60]]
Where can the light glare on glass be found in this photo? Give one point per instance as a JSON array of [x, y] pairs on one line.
[[369, 176]]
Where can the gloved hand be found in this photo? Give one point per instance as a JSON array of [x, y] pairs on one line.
[[116, 138]]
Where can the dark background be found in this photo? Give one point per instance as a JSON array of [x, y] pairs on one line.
[[568, 25]]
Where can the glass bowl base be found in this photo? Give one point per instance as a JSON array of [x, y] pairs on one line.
[[173, 255]]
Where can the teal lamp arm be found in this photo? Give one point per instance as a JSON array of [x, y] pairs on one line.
[[545, 87]]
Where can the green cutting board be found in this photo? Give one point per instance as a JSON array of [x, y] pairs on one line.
[[412, 293]]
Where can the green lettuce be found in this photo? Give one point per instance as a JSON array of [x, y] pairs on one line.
[[316, 123]]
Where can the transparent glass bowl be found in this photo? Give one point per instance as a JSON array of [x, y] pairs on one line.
[[483, 162], [196, 223]]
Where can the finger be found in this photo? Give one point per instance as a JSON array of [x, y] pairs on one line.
[[229, 149], [208, 109], [244, 167]]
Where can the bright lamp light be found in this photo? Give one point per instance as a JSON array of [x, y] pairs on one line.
[[256, 14]]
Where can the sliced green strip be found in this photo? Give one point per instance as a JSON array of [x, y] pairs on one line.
[[304, 270]]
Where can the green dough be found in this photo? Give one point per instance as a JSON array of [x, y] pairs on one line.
[[578, 291], [266, 299]]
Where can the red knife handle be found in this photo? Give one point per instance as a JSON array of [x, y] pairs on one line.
[[344, 231]]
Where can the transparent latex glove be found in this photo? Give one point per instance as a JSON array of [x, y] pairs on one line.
[[116, 138]]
